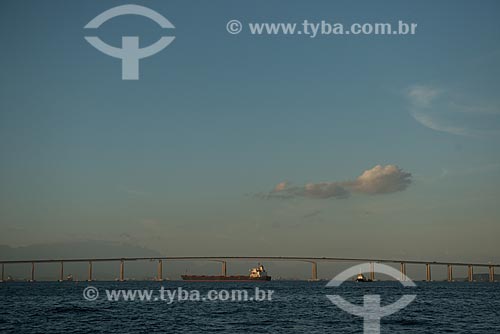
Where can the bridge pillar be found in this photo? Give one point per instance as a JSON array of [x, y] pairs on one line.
[[159, 276], [314, 273], [428, 275], [470, 273], [61, 272], [372, 271], [89, 279], [224, 268], [3, 273], [122, 270], [450, 273], [491, 271], [403, 271], [32, 272]]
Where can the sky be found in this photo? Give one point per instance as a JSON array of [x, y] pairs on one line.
[[371, 146]]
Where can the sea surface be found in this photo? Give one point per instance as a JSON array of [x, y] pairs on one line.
[[295, 307]]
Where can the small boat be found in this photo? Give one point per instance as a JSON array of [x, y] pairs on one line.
[[256, 274], [362, 278], [68, 278]]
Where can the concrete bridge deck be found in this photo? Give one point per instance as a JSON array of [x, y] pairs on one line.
[[224, 259]]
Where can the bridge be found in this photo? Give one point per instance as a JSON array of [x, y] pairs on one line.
[[224, 259]]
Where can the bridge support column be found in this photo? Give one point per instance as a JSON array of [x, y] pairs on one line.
[[159, 276], [224, 268], [314, 273], [3, 273], [470, 273], [61, 272], [89, 279], [428, 276], [491, 271], [403, 271], [450, 273], [122, 270], [372, 271], [32, 272]]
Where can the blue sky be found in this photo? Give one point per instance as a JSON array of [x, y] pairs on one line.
[[183, 155]]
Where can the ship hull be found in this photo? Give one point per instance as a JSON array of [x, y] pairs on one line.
[[239, 278]]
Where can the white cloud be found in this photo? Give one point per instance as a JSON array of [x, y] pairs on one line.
[[377, 180], [381, 180]]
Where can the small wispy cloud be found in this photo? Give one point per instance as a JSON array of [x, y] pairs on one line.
[[438, 109], [435, 124], [280, 186], [312, 214], [422, 95], [310, 190], [377, 180]]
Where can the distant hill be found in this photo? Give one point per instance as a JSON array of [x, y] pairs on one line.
[[78, 249], [102, 270]]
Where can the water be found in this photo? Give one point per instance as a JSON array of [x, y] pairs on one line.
[[296, 307]]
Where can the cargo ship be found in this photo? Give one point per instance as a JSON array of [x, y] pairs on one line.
[[256, 274]]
